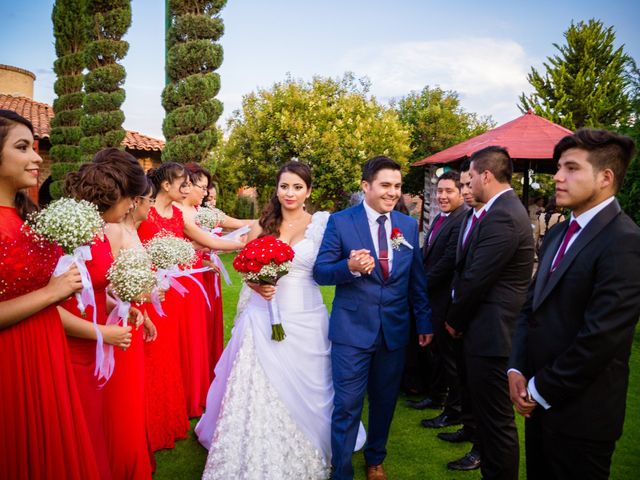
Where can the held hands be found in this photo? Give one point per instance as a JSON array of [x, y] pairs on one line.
[[519, 395], [361, 261], [66, 284], [425, 339], [265, 291], [452, 331]]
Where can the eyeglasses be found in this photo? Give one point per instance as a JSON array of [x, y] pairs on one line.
[[205, 188], [186, 186]]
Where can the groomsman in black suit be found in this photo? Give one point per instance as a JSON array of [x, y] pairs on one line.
[[570, 360], [468, 433], [439, 253], [489, 289]]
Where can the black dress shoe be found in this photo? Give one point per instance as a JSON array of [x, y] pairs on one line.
[[470, 461], [426, 402], [442, 420], [458, 436]]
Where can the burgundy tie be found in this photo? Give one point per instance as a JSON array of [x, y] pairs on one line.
[[383, 249], [436, 227], [474, 220], [571, 231]]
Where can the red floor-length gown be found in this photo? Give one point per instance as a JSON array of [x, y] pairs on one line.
[[194, 351], [215, 320], [83, 351], [166, 412], [43, 433], [124, 406]]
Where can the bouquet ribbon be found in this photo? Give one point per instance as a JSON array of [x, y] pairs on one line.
[[167, 278], [120, 311], [215, 259], [86, 296]]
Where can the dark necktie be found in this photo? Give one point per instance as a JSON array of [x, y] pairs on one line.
[[474, 220], [383, 249], [436, 227], [571, 231]]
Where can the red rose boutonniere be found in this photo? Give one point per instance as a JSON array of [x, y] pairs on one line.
[[397, 239]]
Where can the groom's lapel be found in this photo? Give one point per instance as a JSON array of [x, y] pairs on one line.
[[361, 223]]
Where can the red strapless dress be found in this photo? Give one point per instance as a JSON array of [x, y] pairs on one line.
[[215, 321], [43, 433], [83, 351], [166, 412]]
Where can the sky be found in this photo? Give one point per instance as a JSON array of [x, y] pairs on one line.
[[481, 50]]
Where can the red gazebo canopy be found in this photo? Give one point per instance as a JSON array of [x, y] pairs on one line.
[[528, 137]]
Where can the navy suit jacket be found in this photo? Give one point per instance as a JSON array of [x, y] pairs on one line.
[[575, 331], [364, 305]]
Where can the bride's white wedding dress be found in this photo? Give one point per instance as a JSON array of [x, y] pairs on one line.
[[268, 412]]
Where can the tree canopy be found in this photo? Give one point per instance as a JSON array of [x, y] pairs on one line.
[[586, 83], [333, 125]]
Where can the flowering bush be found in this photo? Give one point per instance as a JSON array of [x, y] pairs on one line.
[[131, 275], [68, 222], [209, 218], [167, 251]]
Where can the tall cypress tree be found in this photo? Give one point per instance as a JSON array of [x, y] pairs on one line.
[[189, 98], [108, 22], [585, 84], [69, 30]]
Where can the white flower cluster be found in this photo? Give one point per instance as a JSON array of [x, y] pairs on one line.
[[131, 275], [169, 251], [209, 217], [269, 273], [68, 222]]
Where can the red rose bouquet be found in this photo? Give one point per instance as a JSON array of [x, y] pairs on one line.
[[264, 260]]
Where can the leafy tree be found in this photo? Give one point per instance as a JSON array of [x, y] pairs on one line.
[[629, 194], [585, 84], [331, 124], [108, 22], [435, 120], [69, 30], [189, 98]]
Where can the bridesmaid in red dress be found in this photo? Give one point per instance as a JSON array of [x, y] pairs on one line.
[[43, 433], [195, 334], [111, 181]]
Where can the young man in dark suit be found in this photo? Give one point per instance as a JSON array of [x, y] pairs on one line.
[[489, 289], [439, 253], [570, 360]]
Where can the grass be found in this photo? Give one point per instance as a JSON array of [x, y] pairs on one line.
[[413, 452]]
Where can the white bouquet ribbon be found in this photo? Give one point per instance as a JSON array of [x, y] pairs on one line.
[[120, 311], [167, 278], [215, 259]]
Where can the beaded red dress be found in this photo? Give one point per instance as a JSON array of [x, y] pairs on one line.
[[43, 433], [83, 351], [166, 411]]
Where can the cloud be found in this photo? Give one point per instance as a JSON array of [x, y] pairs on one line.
[[488, 73]]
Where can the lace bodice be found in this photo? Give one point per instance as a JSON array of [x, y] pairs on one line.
[[306, 250], [25, 263]]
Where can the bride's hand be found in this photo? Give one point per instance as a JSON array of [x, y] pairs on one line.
[[265, 291]]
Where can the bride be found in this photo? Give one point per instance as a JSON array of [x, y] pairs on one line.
[[268, 412]]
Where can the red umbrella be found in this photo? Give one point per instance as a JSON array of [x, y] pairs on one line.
[[528, 137]]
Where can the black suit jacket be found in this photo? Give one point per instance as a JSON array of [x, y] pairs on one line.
[[440, 261], [575, 331], [492, 275]]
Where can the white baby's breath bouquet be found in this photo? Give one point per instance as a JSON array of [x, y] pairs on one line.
[[131, 277], [167, 251], [72, 224], [68, 222], [209, 218]]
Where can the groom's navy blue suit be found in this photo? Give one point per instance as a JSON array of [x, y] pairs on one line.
[[369, 329]]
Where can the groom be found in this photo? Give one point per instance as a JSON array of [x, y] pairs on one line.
[[375, 273]]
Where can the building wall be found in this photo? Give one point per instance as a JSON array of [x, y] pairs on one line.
[[16, 81]]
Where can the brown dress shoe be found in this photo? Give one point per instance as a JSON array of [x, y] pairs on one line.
[[376, 472]]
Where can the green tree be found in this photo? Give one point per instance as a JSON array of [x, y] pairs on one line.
[[629, 194], [436, 121], [69, 31], [102, 122], [585, 84], [333, 125], [189, 98]]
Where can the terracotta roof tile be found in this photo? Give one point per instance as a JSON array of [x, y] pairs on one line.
[[40, 115]]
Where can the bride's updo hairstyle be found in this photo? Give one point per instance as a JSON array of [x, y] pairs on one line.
[[272, 214], [109, 177], [8, 120], [168, 172]]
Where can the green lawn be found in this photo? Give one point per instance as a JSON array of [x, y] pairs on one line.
[[413, 452]]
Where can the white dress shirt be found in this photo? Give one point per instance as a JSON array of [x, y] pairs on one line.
[[372, 217]]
